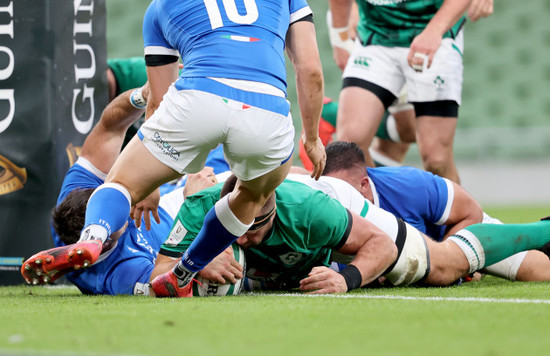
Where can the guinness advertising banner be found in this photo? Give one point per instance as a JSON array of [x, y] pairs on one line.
[[52, 91]]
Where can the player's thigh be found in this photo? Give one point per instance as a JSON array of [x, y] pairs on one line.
[[443, 80], [447, 263], [435, 133], [359, 114], [139, 171], [258, 141]]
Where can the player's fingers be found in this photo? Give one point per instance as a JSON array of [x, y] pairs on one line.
[[315, 270], [147, 219], [236, 265], [218, 278], [137, 217], [156, 215]]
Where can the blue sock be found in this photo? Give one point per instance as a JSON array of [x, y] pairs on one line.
[[109, 208], [220, 229]]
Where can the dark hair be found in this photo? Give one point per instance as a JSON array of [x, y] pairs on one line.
[[229, 185], [343, 156], [68, 216]]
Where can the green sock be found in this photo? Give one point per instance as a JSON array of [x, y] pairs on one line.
[[486, 244]]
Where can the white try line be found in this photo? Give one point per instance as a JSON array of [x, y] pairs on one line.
[[398, 297]]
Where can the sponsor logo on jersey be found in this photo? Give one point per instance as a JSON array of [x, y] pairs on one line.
[[12, 177], [177, 234], [165, 147]]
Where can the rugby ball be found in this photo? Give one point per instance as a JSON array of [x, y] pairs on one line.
[[206, 288]]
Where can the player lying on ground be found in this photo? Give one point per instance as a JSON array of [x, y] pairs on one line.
[[293, 239], [434, 205], [127, 260]]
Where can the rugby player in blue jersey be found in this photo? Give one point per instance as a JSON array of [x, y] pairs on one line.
[[232, 90], [127, 259], [434, 205]]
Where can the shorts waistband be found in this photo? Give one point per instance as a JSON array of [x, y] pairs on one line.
[[264, 101]]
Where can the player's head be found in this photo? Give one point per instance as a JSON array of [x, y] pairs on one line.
[[68, 216], [344, 156], [262, 223], [346, 161]]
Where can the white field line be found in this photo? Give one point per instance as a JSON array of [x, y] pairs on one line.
[[436, 299]]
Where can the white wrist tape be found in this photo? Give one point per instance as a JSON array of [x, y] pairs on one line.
[[420, 67], [335, 35], [137, 100]]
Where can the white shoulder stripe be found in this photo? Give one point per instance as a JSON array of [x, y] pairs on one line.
[[161, 50], [303, 12], [450, 199], [83, 162]]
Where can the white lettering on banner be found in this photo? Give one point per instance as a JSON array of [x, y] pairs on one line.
[[83, 73], [5, 73]]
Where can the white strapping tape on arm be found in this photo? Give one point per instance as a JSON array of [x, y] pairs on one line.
[[335, 35]]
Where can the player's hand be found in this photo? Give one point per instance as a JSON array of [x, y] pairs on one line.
[[422, 49], [146, 208], [223, 269], [479, 9], [340, 56], [323, 280], [199, 181], [317, 155]]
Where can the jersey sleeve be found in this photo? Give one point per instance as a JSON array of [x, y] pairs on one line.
[[189, 221], [442, 188], [154, 41], [124, 277], [329, 223], [298, 10]]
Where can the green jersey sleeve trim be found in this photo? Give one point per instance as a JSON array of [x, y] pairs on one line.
[[346, 233]]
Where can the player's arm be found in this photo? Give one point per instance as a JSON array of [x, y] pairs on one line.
[[160, 78], [374, 252], [465, 211], [429, 40], [338, 22], [103, 144], [301, 45]]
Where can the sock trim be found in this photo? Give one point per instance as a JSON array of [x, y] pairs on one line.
[[391, 128], [115, 186], [228, 219], [471, 247]]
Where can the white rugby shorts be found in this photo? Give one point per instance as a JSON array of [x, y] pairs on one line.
[[190, 123], [388, 68]]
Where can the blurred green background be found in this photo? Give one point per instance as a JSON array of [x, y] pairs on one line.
[[504, 114], [507, 74]]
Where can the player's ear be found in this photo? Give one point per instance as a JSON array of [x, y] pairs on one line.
[[365, 187]]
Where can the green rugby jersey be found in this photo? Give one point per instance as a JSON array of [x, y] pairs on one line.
[[395, 23], [308, 224], [130, 73]]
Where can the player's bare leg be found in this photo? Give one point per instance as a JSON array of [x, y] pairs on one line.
[[359, 115]]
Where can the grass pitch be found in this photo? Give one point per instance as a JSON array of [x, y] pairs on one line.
[[490, 317]]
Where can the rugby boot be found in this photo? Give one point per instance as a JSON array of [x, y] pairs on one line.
[[168, 285], [47, 266]]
